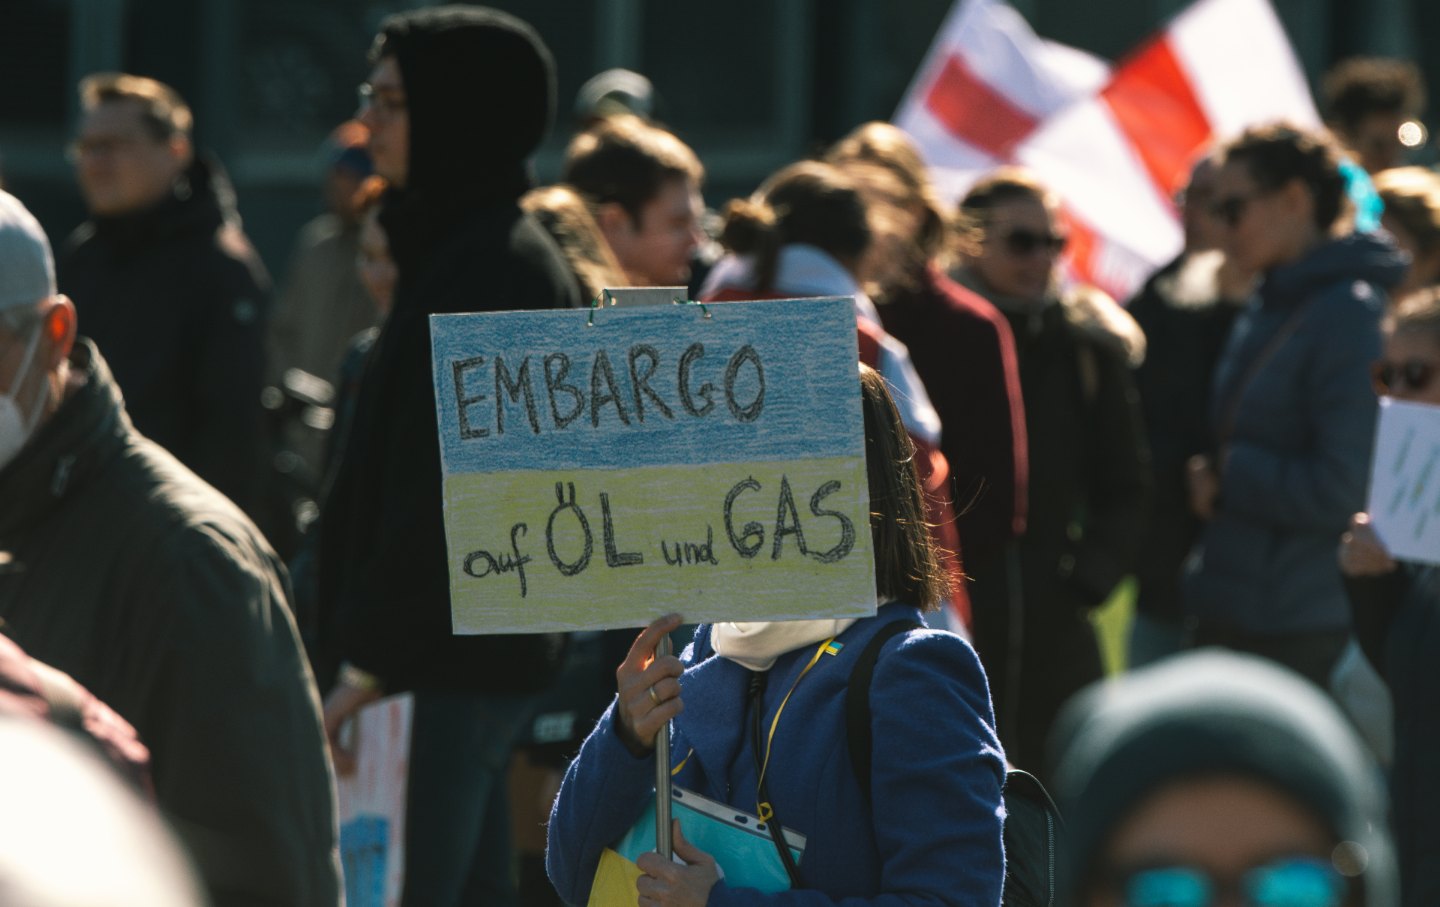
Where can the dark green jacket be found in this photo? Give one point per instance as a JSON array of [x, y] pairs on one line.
[[146, 585]]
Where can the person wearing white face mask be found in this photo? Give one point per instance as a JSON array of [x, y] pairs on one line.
[[121, 568]]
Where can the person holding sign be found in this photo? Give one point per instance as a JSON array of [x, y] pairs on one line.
[[759, 724], [455, 153], [1396, 610]]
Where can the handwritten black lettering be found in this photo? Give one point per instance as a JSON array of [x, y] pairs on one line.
[[512, 388], [692, 353], [783, 507], [751, 411], [752, 535], [640, 382], [462, 402], [514, 561], [555, 381], [847, 526], [601, 370], [614, 557], [574, 567]]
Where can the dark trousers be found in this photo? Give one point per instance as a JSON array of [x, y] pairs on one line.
[[458, 851]]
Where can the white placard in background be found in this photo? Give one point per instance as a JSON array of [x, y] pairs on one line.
[[1405, 480]]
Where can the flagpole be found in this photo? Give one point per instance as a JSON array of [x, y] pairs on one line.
[[663, 844]]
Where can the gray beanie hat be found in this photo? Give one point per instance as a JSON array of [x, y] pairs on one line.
[[27, 269], [1218, 713]]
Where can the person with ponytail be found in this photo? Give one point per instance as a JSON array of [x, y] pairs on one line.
[[1292, 411], [807, 231]]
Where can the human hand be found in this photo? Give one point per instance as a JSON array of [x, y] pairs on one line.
[[344, 701], [1361, 551], [1204, 485], [666, 883], [649, 688]]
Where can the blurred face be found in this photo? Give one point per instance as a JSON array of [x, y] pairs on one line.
[[120, 165], [655, 250], [1205, 842], [1409, 368], [1424, 265], [1021, 244], [1202, 231], [377, 268], [385, 109], [1262, 228]]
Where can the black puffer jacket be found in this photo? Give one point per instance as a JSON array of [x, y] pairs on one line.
[[176, 298], [461, 244]]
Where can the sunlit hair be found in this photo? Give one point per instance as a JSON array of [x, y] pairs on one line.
[[907, 566], [999, 187], [1412, 197], [887, 146], [1418, 313], [1276, 153], [1361, 86], [626, 160], [566, 217], [811, 203], [162, 110]]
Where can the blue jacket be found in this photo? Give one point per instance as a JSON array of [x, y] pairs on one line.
[[1295, 448], [937, 770]]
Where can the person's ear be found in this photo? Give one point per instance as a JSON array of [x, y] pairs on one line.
[[58, 323], [614, 221], [181, 150], [1298, 200]]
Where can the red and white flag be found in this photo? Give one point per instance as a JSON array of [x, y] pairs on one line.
[[1115, 151]]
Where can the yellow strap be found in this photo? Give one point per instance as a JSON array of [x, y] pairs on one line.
[[763, 810], [676, 770]]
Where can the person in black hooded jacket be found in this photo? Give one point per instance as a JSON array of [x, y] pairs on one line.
[[453, 145], [167, 283]]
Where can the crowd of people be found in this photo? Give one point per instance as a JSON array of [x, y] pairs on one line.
[[222, 530]]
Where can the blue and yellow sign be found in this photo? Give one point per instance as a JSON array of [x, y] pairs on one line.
[[602, 469]]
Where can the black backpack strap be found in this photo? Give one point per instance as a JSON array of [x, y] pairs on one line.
[[857, 700]]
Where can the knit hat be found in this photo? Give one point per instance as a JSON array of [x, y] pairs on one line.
[[480, 91], [1208, 714], [27, 269]]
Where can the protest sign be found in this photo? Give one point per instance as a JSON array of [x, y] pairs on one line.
[[605, 468], [1405, 480], [371, 803]]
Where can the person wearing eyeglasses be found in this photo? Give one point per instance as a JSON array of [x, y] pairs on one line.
[[1396, 609], [1216, 779], [167, 283], [1087, 458], [1292, 416]]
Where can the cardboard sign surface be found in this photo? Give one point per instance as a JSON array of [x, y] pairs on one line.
[[604, 468]]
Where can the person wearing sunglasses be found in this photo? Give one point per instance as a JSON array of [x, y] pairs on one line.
[[1396, 609], [1088, 481], [1291, 413], [1217, 779]]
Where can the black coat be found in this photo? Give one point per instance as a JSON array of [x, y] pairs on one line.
[[176, 298], [1183, 342], [384, 573], [1397, 621]]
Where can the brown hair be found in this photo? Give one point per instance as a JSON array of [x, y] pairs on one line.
[[1412, 196], [1417, 313], [625, 160], [162, 110], [810, 202], [1360, 86], [887, 146], [566, 217], [1005, 184], [1276, 153], [907, 565]]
